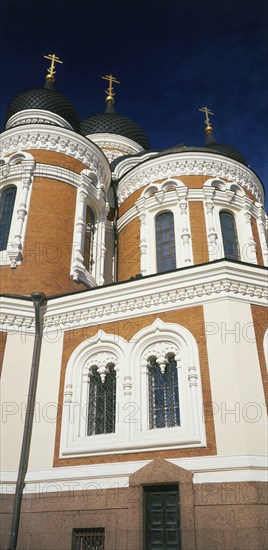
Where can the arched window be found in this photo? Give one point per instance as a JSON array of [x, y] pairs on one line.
[[89, 234], [229, 235], [7, 201], [164, 411], [101, 400], [165, 242]]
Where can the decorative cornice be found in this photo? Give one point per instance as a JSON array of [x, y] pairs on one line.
[[58, 140], [114, 146], [36, 116], [187, 164], [179, 289], [127, 164]]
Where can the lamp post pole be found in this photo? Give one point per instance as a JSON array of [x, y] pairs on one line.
[[39, 299]]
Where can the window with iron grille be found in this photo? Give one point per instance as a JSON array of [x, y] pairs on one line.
[[165, 242], [164, 411], [102, 401], [229, 235], [89, 234], [6, 211], [88, 539]]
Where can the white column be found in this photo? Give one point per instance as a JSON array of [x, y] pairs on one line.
[[143, 241], [213, 246], [248, 253], [14, 249], [100, 248], [182, 193], [79, 230], [261, 223]]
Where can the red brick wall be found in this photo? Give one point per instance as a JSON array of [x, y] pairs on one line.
[[47, 249]]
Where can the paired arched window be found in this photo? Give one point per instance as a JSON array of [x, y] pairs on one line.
[[89, 236], [229, 235], [7, 202], [133, 395], [102, 401], [165, 242], [164, 411]]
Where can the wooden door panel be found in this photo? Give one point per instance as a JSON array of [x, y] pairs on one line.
[[161, 518]]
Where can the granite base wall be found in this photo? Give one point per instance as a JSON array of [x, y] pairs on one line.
[[213, 516]]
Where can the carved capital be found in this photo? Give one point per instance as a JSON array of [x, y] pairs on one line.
[[102, 361]]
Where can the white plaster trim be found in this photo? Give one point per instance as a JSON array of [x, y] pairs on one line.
[[74, 438], [241, 208], [167, 291], [57, 173], [37, 116], [262, 223], [38, 136], [114, 145], [132, 432], [92, 194], [193, 195], [207, 469], [170, 336], [127, 164], [190, 163], [153, 201], [17, 170], [265, 347]]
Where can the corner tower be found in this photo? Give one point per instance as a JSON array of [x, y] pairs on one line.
[[50, 174]]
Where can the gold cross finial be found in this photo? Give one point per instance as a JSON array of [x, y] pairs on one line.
[[207, 112], [51, 71], [110, 92]]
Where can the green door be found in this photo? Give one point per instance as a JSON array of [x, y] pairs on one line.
[[161, 521]]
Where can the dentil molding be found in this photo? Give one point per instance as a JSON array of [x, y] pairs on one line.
[[60, 140], [179, 289], [37, 116]]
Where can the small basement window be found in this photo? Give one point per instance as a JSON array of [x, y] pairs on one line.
[[88, 539]]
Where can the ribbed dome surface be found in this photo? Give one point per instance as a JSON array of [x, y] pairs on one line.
[[113, 123], [47, 100], [214, 147], [227, 151]]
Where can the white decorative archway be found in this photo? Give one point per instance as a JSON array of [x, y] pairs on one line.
[[99, 351], [159, 339]]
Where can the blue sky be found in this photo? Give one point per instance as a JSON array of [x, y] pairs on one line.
[[171, 58]]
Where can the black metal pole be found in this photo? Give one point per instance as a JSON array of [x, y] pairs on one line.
[[38, 299]]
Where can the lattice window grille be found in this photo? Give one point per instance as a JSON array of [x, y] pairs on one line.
[[165, 242], [88, 539], [89, 236], [229, 235], [7, 202], [102, 397], [164, 410]]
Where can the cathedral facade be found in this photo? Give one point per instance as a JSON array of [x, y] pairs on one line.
[[134, 336]]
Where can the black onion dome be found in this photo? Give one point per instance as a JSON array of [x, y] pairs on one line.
[[48, 100], [227, 151], [113, 123]]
